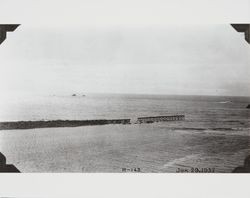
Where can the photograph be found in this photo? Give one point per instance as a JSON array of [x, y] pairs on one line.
[[163, 98]]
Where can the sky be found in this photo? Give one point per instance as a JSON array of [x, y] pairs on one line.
[[129, 47]]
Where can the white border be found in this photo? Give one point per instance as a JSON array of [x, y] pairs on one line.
[[129, 185], [124, 185]]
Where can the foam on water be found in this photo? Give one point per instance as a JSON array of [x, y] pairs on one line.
[[213, 135]]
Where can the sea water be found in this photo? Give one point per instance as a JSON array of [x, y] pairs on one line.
[[215, 134]]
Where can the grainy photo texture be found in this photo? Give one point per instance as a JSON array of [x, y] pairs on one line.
[[126, 99]]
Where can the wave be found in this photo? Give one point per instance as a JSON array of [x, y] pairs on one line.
[[225, 102], [179, 161], [211, 129]]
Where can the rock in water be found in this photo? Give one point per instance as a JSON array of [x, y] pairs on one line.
[[248, 106]]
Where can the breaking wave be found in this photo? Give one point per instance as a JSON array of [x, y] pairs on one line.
[[205, 129], [225, 102]]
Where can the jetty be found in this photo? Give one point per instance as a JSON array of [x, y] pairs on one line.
[[76, 123], [160, 119], [58, 123]]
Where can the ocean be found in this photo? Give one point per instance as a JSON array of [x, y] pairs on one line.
[[215, 135]]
